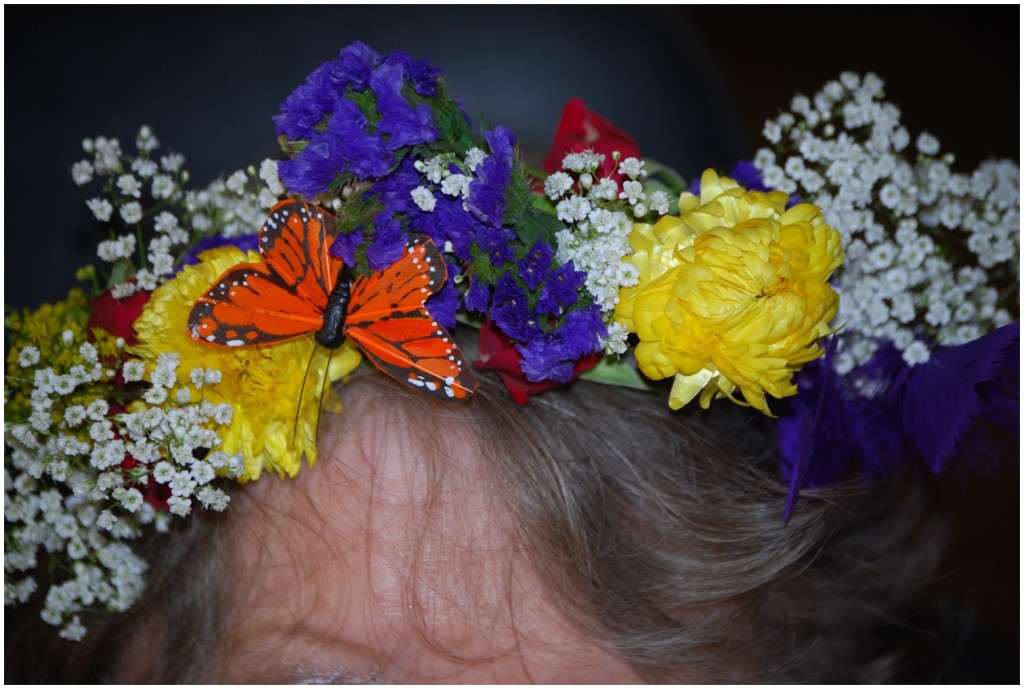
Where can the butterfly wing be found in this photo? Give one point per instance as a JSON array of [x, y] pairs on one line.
[[250, 305], [255, 304], [294, 243], [387, 318]]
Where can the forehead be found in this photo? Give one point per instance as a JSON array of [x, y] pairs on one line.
[[392, 561]]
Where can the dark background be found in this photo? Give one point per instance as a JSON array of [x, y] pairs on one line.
[[692, 84]]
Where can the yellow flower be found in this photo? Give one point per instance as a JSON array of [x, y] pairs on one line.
[[275, 391], [733, 293]]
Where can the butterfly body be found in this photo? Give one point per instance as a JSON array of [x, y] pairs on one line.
[[299, 289], [331, 334]]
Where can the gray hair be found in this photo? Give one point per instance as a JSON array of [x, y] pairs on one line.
[[659, 534]]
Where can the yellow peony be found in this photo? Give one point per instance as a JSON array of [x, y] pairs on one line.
[[275, 391], [733, 293]]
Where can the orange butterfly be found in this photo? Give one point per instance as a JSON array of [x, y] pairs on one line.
[[300, 288]]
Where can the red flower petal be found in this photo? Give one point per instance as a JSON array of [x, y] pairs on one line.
[[117, 316], [580, 130]]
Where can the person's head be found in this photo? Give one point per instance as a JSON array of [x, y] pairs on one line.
[[585, 537], [743, 522]]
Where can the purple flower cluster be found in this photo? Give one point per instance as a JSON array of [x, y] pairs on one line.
[[529, 297], [536, 303], [347, 133]]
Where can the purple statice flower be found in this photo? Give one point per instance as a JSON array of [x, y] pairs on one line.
[[534, 267], [560, 289], [543, 360], [496, 242], [360, 151], [478, 296], [422, 74], [510, 310], [400, 121], [307, 105], [357, 61], [394, 191], [389, 242], [449, 222], [345, 146], [581, 333], [443, 305], [553, 355], [345, 245], [487, 199], [339, 136], [245, 242], [548, 353]]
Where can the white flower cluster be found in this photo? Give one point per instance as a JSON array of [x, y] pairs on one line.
[[438, 173], [926, 247], [150, 199], [81, 477], [238, 205], [598, 213]]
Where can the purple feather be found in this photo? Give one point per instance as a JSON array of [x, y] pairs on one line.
[[829, 426], [940, 401], [808, 432]]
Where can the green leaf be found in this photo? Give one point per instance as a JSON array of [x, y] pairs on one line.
[[120, 272], [621, 372], [538, 224], [662, 177], [366, 101]]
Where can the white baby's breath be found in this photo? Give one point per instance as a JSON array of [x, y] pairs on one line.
[[896, 215]]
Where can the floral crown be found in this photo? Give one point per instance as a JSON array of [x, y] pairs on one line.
[[878, 283]]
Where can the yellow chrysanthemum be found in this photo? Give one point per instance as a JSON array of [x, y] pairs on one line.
[[733, 293], [275, 391]]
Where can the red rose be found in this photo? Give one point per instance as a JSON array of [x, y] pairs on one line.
[[499, 354], [581, 130], [117, 316]]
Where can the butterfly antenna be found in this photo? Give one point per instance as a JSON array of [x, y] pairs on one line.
[[323, 390], [302, 393]]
